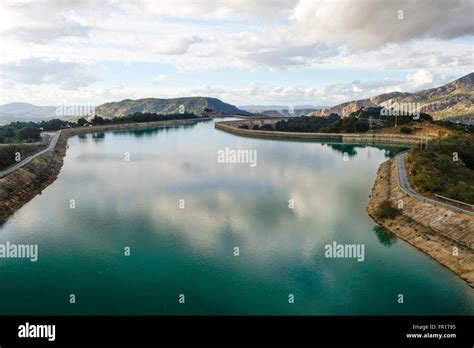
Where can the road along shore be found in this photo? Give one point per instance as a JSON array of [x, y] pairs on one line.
[[20, 186], [445, 235]]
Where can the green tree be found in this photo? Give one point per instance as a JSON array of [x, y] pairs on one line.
[[82, 121], [362, 126], [29, 133], [97, 120]]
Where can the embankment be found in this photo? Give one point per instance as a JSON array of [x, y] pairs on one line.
[[359, 138], [20, 186], [441, 233]]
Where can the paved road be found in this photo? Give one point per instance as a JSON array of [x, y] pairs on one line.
[[51, 146], [405, 186]]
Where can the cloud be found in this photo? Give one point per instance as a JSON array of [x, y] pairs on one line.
[[60, 28], [37, 71], [70, 38], [374, 23], [420, 78], [159, 78], [176, 45]]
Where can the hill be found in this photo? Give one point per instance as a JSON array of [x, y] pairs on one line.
[[453, 99], [25, 112], [196, 105]]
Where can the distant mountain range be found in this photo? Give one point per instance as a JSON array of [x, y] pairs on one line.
[[196, 105], [454, 99], [12, 112], [281, 110], [256, 108]]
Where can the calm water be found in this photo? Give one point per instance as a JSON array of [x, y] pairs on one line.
[[190, 251]]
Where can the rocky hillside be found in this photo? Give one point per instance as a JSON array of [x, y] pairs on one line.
[[453, 99], [196, 105]]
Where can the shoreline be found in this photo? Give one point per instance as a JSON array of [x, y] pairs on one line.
[[22, 185], [434, 230], [345, 138]]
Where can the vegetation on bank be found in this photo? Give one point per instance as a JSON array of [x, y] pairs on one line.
[[357, 122], [386, 210], [10, 154], [25, 132], [445, 167]]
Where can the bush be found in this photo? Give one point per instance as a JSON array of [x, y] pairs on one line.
[[362, 126], [386, 211], [434, 169], [8, 132], [29, 133], [267, 127], [82, 121], [406, 130]]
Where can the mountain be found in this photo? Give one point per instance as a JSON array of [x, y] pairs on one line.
[[282, 110], [196, 105], [260, 108], [453, 99], [271, 113], [25, 112], [285, 112]]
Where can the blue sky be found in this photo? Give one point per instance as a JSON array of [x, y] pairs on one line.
[[243, 52]]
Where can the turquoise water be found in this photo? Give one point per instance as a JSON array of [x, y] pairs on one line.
[[190, 251]]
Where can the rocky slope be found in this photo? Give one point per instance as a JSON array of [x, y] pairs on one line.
[[452, 99]]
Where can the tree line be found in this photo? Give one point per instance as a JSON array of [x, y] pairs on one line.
[[25, 132]]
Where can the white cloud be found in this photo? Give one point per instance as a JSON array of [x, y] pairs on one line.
[[159, 78], [37, 71], [61, 27], [374, 23], [68, 38], [176, 45], [420, 78]]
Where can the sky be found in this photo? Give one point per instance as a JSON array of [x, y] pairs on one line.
[[284, 52]]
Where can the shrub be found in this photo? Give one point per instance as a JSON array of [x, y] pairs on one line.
[[406, 130], [386, 210], [29, 133], [362, 126], [267, 127]]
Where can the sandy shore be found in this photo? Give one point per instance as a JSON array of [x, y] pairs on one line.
[[436, 231]]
